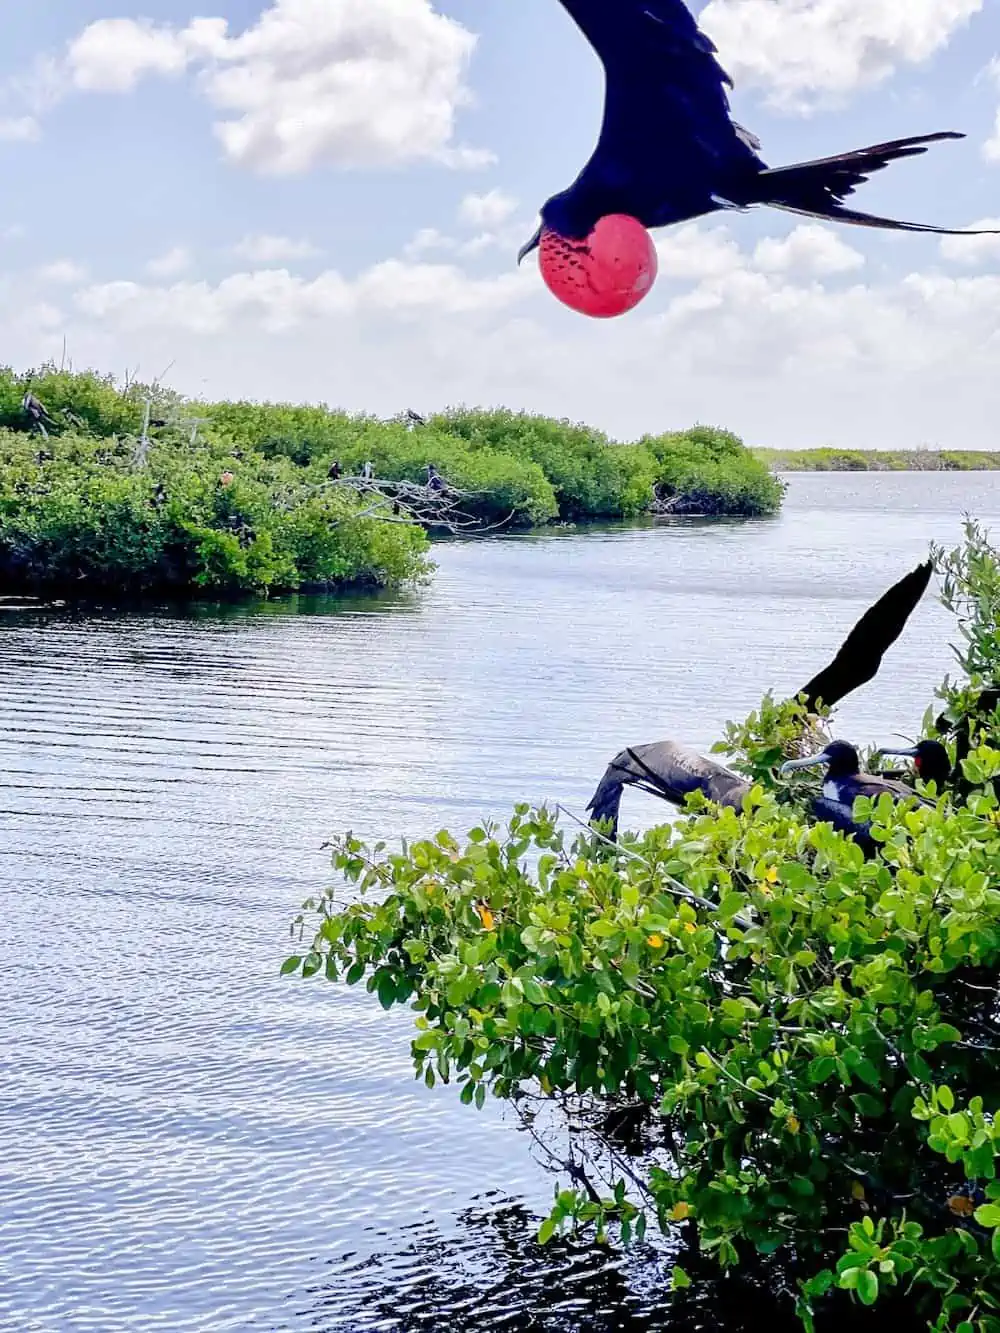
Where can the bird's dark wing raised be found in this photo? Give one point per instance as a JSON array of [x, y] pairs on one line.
[[861, 653], [664, 86]]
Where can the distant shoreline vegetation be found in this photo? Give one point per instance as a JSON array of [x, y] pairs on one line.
[[865, 460], [131, 490]]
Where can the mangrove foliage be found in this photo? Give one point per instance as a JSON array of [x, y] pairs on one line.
[[130, 488], [734, 1032]]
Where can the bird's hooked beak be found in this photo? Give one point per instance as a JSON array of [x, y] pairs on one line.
[[910, 753], [533, 244], [812, 762]]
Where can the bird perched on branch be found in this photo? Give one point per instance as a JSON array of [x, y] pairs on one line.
[[931, 761], [671, 771], [669, 151], [843, 783], [34, 409]]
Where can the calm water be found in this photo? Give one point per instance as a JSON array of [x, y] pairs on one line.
[[188, 1143]]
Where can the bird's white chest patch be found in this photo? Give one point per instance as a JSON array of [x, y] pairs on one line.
[[830, 790]]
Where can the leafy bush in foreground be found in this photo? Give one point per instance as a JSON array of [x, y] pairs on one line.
[[88, 519], [736, 1028]]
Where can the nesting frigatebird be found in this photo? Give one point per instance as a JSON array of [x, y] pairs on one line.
[[672, 771], [931, 761], [669, 150], [844, 782]]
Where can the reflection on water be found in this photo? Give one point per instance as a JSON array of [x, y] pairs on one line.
[[187, 1142]]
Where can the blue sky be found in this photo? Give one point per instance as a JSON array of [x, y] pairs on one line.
[[351, 235]]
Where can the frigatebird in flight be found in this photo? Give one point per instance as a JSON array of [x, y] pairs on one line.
[[669, 150]]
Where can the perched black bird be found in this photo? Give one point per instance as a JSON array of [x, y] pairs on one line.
[[414, 418], [334, 473], [669, 150], [670, 770], [34, 409], [931, 761], [435, 482], [843, 783]]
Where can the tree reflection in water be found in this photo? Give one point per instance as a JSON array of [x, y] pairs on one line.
[[493, 1275]]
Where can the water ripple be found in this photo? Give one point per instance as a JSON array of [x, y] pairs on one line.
[[187, 1142]]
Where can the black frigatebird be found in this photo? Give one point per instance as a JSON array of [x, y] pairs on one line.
[[669, 150], [670, 770], [843, 783], [931, 761]]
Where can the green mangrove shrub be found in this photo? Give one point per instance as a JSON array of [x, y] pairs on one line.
[[87, 519], [735, 1030]]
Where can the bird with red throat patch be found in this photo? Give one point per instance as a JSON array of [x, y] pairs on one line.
[[669, 151]]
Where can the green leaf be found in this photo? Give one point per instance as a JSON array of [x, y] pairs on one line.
[[946, 1098], [867, 1105], [386, 990], [354, 974], [944, 1032], [679, 1280], [291, 965], [867, 1287], [603, 929], [822, 1068], [988, 1215]]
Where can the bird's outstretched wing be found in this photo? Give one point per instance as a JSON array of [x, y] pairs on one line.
[[664, 86], [861, 653], [668, 770]]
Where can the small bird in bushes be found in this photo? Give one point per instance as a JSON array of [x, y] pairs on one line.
[[226, 479], [669, 151]]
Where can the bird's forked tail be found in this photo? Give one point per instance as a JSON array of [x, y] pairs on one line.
[[818, 189]]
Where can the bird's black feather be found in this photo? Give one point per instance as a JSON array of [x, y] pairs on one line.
[[669, 150], [861, 653], [668, 770]]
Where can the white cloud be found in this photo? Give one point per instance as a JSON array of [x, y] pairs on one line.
[[278, 300], [19, 129], [359, 83], [804, 51], [778, 339], [972, 250], [692, 253], [113, 55], [991, 148], [810, 248], [487, 211], [64, 272], [265, 249], [426, 240], [170, 264]]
